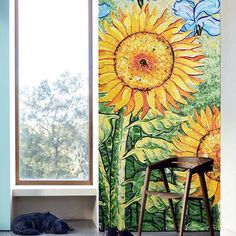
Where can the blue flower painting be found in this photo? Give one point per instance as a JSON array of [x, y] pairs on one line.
[[104, 10], [199, 17]]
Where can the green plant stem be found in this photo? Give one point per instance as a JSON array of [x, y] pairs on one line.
[[118, 172], [106, 188], [140, 3]]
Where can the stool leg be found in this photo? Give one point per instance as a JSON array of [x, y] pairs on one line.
[[184, 206], [206, 201], [169, 200], [144, 199]]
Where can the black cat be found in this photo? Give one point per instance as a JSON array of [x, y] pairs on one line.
[[38, 223]]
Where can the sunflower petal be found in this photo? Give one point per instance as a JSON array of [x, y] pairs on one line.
[[216, 118], [161, 93], [198, 128], [209, 116], [105, 62], [217, 195], [161, 20], [188, 62], [116, 33], [106, 78], [151, 99], [151, 21], [179, 36], [196, 58], [138, 99], [135, 20], [191, 133], [185, 94], [145, 105], [108, 38], [118, 24], [188, 141], [204, 120], [174, 92], [181, 84], [117, 98], [124, 100], [106, 69], [187, 53], [173, 29], [188, 69], [111, 95], [106, 46], [198, 118], [159, 105], [183, 46], [109, 86], [147, 12], [185, 77], [142, 20], [183, 147], [172, 101], [211, 186], [128, 23], [189, 40], [106, 55], [162, 27], [121, 14], [130, 106]]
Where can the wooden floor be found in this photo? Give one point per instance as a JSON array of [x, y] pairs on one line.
[[87, 228]]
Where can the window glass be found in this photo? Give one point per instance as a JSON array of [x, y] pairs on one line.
[[53, 90]]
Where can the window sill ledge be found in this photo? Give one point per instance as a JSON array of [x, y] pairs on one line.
[[60, 190]]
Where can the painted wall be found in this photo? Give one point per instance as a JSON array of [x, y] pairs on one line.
[[159, 88], [5, 198], [228, 193]]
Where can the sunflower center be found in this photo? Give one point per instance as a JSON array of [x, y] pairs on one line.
[[210, 147], [144, 60]]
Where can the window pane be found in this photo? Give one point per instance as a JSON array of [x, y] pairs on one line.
[[53, 89]]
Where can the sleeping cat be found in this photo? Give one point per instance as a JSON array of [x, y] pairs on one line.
[[37, 223]]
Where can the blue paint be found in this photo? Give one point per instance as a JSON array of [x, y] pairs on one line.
[[5, 196], [104, 10], [199, 15]]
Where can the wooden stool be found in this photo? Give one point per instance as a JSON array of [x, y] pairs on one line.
[[193, 165]]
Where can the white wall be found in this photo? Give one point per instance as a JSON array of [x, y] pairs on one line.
[[228, 121], [228, 191], [81, 206]]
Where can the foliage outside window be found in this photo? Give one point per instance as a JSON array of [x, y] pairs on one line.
[[53, 125]]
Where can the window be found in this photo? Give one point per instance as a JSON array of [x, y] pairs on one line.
[[53, 92]]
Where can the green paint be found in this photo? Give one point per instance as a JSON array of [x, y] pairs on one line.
[[128, 144]]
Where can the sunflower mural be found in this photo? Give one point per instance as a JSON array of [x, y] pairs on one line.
[[154, 73], [201, 138], [146, 63]]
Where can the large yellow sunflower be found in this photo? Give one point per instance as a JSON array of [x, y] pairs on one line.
[[145, 62], [202, 139]]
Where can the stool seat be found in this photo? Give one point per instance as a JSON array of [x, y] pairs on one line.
[[192, 165]]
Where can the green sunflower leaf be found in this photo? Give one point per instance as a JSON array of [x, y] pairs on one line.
[[105, 126], [153, 125], [149, 150]]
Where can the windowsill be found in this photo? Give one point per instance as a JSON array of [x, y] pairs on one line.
[[53, 190]]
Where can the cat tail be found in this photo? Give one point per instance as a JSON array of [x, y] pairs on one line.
[[28, 232]]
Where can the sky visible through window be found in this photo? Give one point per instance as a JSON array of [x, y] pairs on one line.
[[53, 38], [53, 89]]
